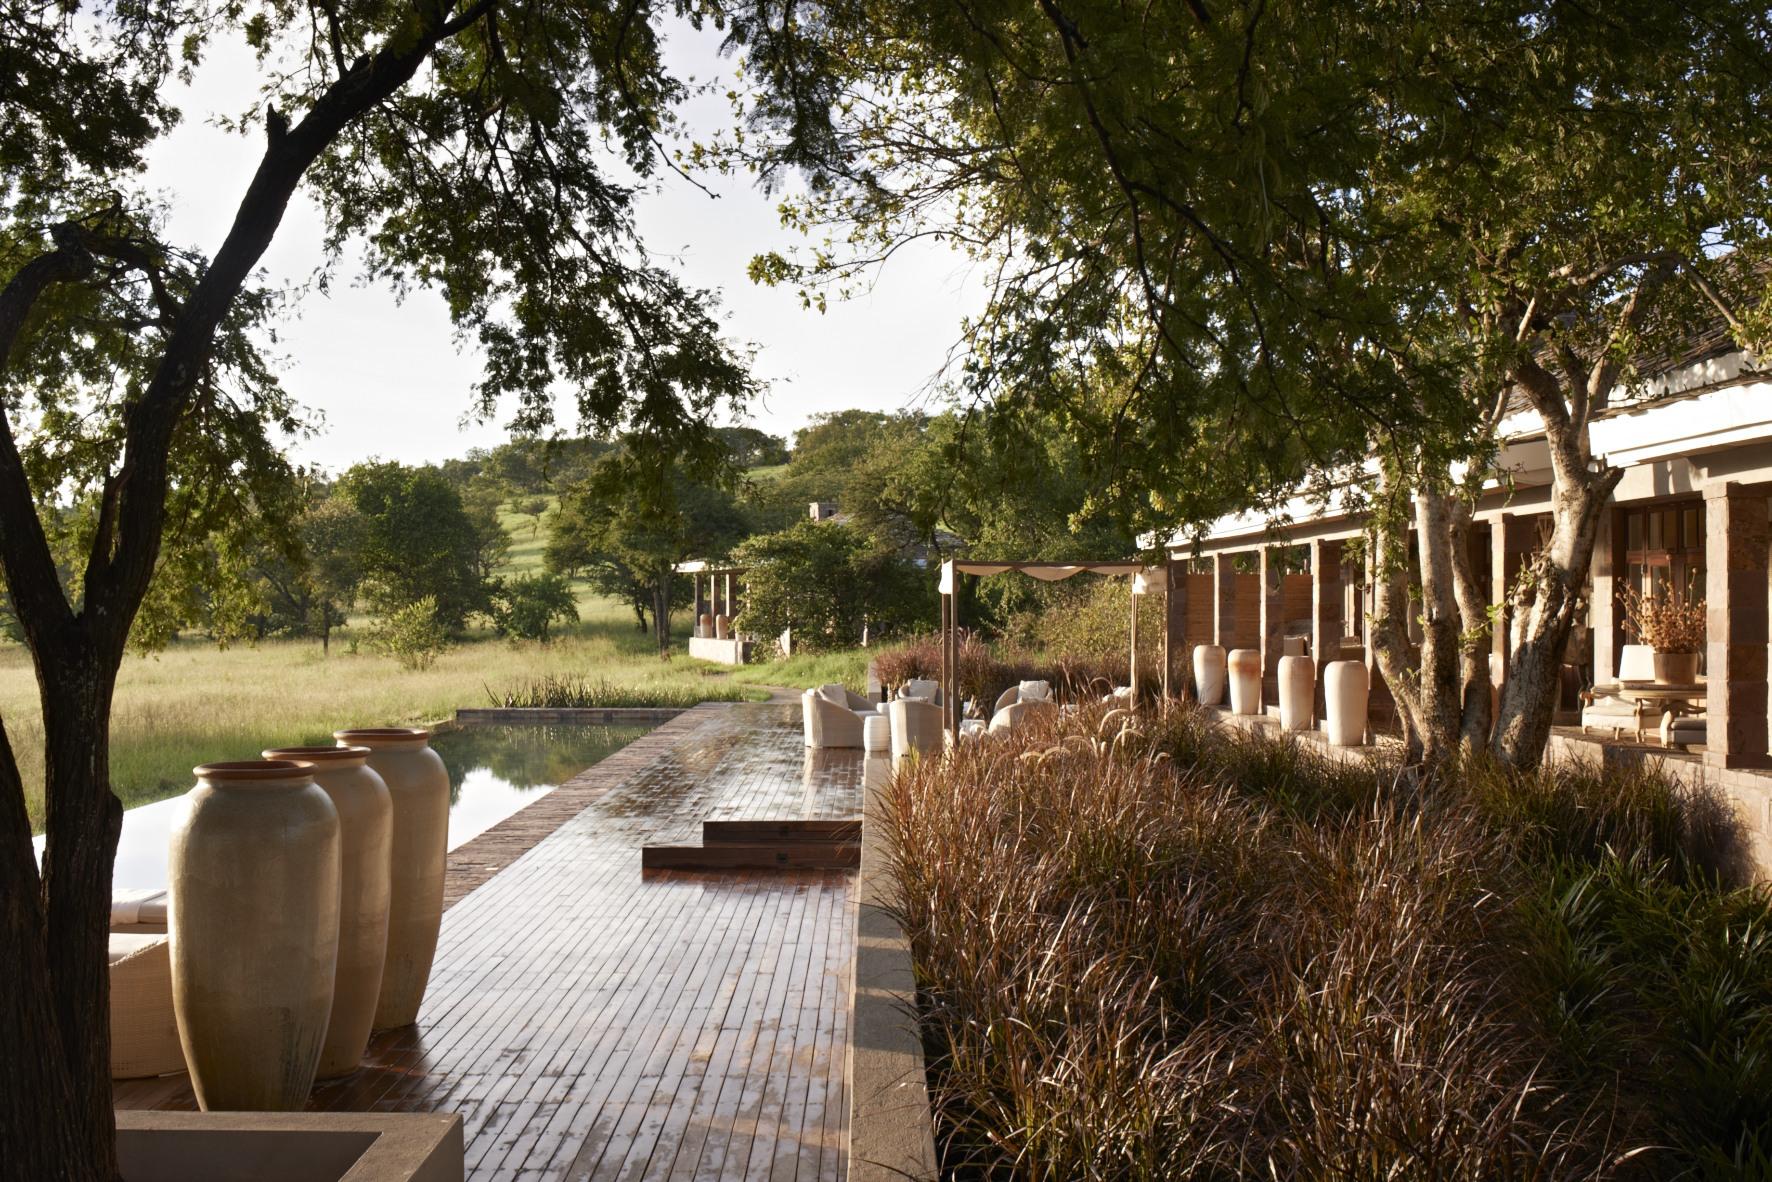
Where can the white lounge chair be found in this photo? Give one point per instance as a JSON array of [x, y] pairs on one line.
[[926, 688]]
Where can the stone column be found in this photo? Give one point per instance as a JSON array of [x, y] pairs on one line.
[[1327, 625], [1273, 624], [1508, 533], [1224, 602], [1603, 615], [1178, 652], [1736, 537]]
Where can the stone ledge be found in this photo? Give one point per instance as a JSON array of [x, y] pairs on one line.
[[290, 1147], [891, 1127], [573, 716]]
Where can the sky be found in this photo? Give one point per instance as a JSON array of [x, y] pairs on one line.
[[388, 379]]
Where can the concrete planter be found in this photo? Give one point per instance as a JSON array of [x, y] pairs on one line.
[[1209, 670], [253, 927], [1346, 691], [1243, 667], [289, 1147], [418, 785], [1298, 683], [1676, 668], [366, 828]]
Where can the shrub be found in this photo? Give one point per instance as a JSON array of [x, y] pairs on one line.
[[527, 606], [1147, 947], [414, 634]]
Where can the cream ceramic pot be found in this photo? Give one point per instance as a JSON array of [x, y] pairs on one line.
[[253, 876], [1243, 667], [1346, 693], [418, 785], [1298, 685], [366, 829], [1209, 673]]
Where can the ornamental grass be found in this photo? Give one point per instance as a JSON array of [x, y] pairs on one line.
[[1148, 948]]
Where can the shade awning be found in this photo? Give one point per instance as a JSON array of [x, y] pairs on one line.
[[1154, 578]]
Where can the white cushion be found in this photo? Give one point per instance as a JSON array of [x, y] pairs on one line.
[[131, 906], [835, 694], [919, 687], [1636, 662], [1034, 691]]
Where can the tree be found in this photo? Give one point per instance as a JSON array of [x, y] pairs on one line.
[[527, 606], [312, 592], [481, 497], [417, 540], [463, 144], [637, 516], [832, 585], [1236, 244], [752, 448]]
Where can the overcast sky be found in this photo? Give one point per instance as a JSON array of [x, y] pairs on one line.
[[388, 378]]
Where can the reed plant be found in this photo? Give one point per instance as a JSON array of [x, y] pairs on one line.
[[1151, 948], [576, 691]]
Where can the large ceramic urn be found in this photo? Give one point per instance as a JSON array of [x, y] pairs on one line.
[[366, 831], [1209, 673], [1346, 690], [253, 879], [1298, 686], [1243, 670], [418, 785]]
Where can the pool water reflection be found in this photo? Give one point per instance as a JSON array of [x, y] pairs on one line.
[[493, 772]]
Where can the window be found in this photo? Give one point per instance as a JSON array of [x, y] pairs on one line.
[[1664, 549]]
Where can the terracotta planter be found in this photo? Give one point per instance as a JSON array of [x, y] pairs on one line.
[[1346, 692], [1298, 686], [1676, 668], [366, 828], [1243, 669], [1209, 674], [253, 922], [418, 784]]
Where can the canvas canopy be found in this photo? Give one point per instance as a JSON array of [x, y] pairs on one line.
[[1145, 580]]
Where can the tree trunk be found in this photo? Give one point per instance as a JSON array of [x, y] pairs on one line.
[[1390, 621], [56, 1118], [1477, 685], [1441, 698], [1545, 607], [1548, 601]]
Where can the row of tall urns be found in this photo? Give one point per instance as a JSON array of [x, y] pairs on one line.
[[1346, 690], [305, 897]]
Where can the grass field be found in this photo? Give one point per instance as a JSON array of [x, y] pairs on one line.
[[195, 703]]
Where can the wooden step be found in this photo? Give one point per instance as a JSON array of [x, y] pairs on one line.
[[779, 832], [733, 855]]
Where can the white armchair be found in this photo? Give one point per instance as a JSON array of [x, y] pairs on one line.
[[1608, 712], [1027, 691], [833, 716], [1018, 714], [926, 688], [916, 726]]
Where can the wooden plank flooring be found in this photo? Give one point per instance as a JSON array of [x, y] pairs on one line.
[[592, 1022]]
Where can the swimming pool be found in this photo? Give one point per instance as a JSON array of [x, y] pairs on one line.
[[493, 772]]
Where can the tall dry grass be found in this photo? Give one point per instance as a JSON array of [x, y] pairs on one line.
[[1149, 949]]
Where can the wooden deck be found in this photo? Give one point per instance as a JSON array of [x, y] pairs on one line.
[[592, 1022]]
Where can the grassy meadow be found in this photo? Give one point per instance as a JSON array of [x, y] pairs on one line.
[[194, 702]]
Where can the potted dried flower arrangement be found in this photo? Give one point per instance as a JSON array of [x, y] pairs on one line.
[[1673, 626]]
